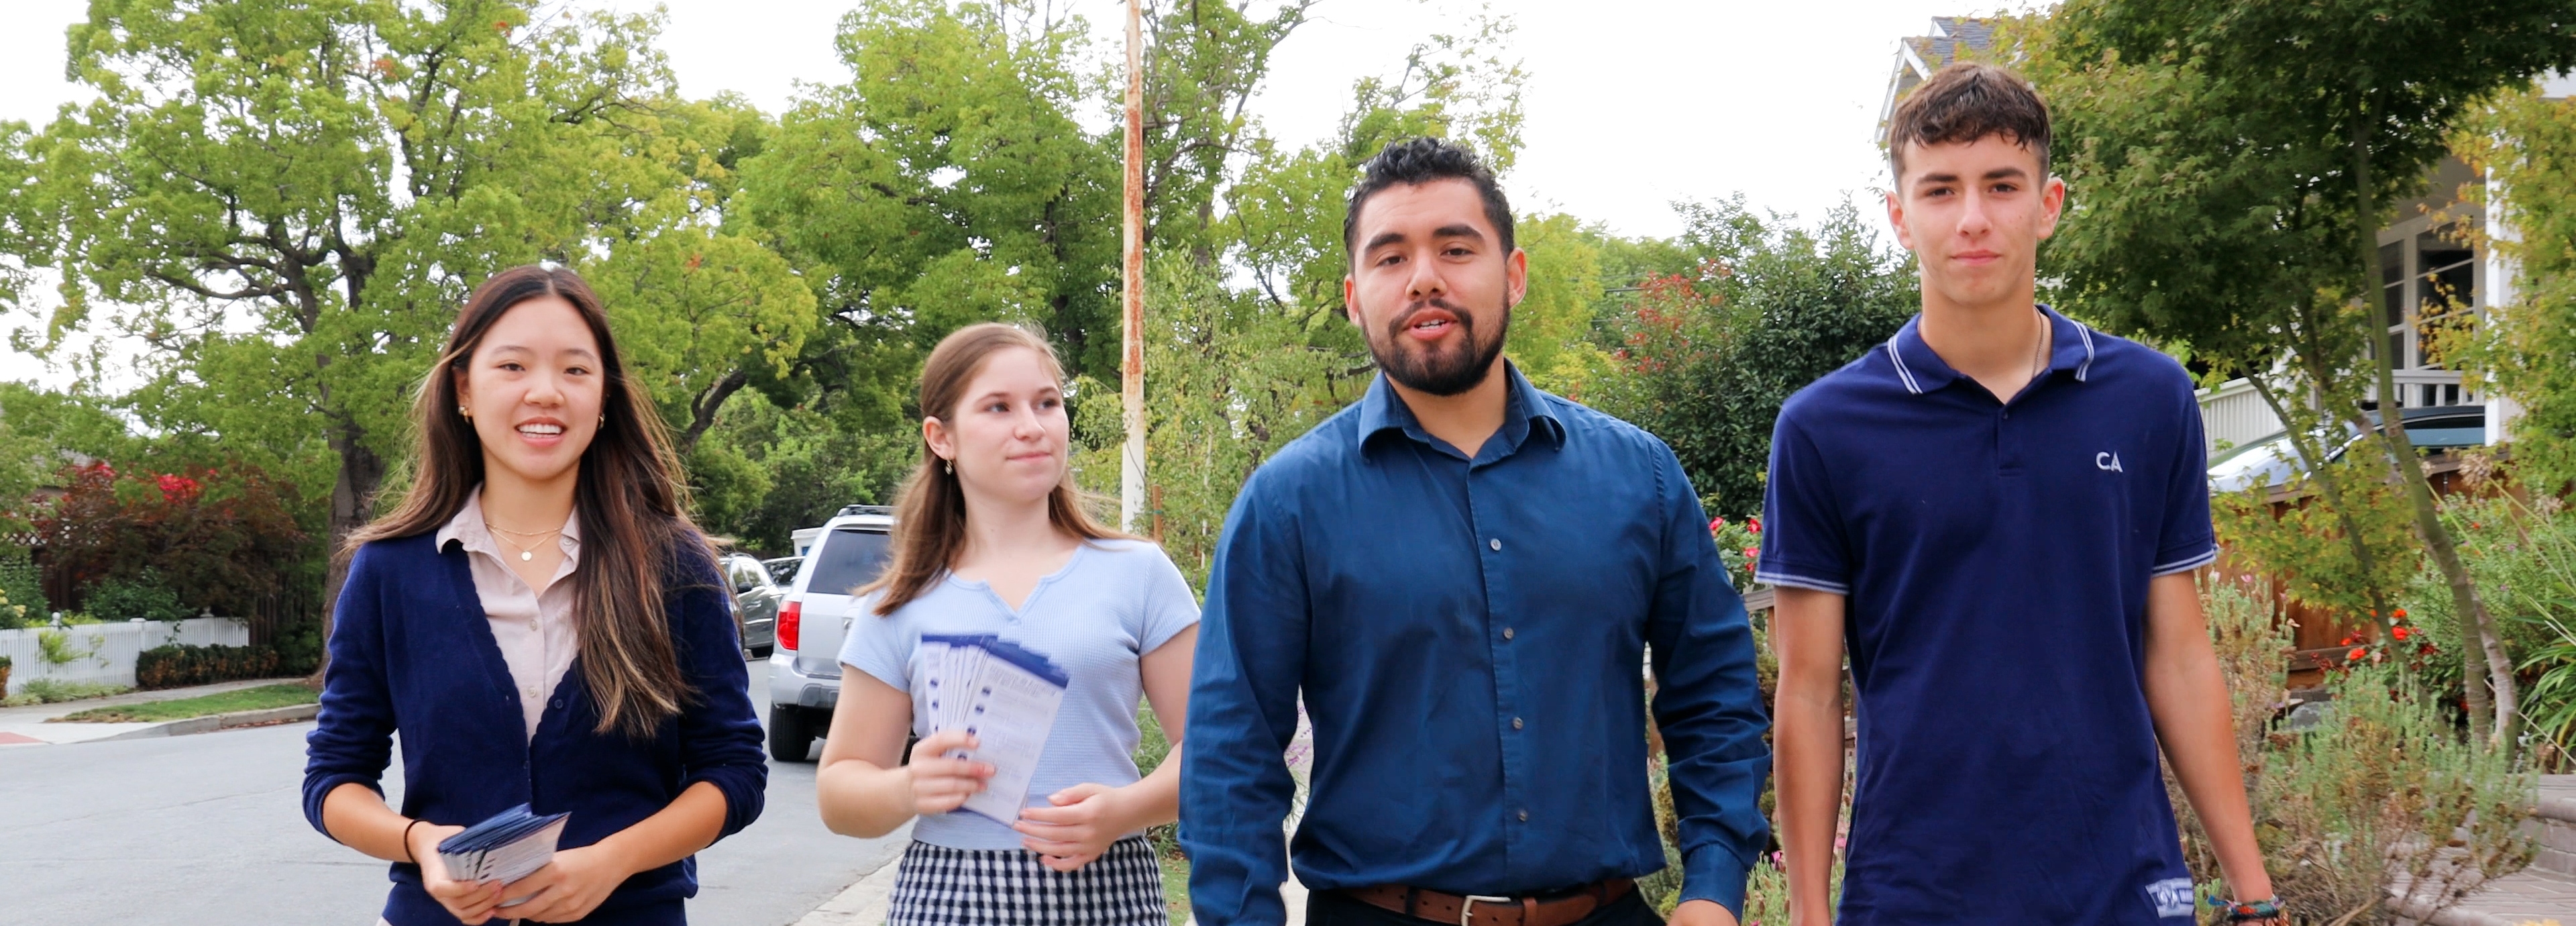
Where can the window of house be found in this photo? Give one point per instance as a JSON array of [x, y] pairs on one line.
[[2427, 281]]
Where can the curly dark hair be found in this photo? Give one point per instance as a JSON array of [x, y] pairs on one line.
[[1416, 161]]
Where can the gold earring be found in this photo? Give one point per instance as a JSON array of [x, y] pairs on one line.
[[949, 465], [462, 413]]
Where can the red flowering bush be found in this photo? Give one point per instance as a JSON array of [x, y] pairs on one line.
[[2405, 643], [1739, 544], [221, 538]]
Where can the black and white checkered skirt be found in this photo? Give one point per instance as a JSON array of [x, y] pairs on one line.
[[940, 886]]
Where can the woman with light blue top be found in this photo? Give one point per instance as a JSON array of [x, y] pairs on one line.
[[991, 538]]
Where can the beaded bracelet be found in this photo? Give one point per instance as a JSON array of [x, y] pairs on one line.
[[2256, 911]]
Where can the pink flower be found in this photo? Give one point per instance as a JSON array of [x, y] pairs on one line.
[[1752, 551], [1715, 524], [1753, 524]]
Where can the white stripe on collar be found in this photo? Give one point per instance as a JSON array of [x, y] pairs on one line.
[[2087, 334], [1901, 371]]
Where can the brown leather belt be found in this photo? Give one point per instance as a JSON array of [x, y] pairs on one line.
[[1494, 911]]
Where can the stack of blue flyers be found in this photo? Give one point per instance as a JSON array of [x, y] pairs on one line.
[[511, 845], [1002, 693]]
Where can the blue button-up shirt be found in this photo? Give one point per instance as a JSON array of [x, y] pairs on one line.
[[1468, 636]]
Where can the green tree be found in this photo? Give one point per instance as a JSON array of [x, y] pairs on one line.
[[2361, 97], [1707, 358], [1286, 209], [2527, 349], [1233, 380], [1204, 60], [2185, 230], [947, 182], [287, 200]]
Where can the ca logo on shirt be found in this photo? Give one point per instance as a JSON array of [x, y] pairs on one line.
[[2108, 462], [2172, 897]]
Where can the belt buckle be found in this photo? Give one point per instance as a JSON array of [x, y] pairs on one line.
[[1469, 907]]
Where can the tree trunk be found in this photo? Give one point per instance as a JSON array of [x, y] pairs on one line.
[[352, 490], [702, 410], [2305, 444], [2477, 627]]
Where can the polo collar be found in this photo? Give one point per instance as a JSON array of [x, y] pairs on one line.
[[1921, 371], [1526, 411]]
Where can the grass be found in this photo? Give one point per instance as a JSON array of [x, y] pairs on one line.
[[247, 699], [50, 691], [1176, 887]]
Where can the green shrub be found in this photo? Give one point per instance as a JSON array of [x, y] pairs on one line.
[[178, 665], [56, 649], [54, 691], [22, 590], [143, 595], [299, 649]]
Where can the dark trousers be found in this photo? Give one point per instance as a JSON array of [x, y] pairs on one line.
[[1326, 908]]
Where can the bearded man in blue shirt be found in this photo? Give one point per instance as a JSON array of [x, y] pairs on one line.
[[1463, 577]]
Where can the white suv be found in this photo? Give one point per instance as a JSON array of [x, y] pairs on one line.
[[805, 668]]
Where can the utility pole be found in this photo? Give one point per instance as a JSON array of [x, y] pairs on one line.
[[1131, 365]]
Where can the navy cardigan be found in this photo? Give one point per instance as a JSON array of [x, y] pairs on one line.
[[412, 651]]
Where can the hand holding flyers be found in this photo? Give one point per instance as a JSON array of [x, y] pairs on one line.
[[511, 845], [1003, 696]]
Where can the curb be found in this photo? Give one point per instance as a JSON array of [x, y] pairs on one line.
[[213, 722]]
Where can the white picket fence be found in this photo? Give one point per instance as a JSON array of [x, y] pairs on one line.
[[108, 651]]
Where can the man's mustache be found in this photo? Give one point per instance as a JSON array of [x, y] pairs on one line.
[[1405, 320]]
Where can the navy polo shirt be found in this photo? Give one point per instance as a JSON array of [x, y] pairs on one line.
[[1994, 559]]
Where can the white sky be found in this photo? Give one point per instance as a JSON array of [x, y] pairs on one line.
[[1630, 104]]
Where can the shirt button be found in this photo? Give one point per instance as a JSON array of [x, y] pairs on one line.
[[1524, 816], [1507, 633], [1516, 723], [531, 692], [1496, 543]]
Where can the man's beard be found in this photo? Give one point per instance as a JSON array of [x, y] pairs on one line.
[[1437, 371]]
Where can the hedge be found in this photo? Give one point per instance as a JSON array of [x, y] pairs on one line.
[[179, 665]]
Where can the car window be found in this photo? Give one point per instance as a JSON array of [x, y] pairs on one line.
[[846, 559]]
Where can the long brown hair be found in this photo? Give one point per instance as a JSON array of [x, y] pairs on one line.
[[636, 536], [930, 515]]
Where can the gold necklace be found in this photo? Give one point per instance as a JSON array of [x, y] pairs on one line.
[[2039, 350], [528, 552]]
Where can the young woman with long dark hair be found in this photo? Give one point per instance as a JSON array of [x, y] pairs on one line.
[[990, 537], [541, 623]]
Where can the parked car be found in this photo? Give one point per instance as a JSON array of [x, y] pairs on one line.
[[756, 597], [783, 569], [2272, 461], [805, 669]]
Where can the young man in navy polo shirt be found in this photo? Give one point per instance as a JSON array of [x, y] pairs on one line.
[[1997, 515]]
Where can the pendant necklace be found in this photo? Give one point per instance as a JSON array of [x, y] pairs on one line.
[[528, 552]]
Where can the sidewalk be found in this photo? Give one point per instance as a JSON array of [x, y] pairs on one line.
[[26, 726]]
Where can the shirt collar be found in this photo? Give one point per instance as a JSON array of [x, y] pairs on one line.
[[1921, 371], [1526, 411], [467, 530]]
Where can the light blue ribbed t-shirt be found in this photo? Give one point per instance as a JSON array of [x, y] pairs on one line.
[[1112, 603]]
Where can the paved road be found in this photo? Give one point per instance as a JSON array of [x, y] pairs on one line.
[[206, 829]]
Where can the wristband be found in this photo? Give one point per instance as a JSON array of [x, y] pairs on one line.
[[408, 856], [2252, 911]]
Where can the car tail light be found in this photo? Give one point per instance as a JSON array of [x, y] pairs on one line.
[[790, 617]]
